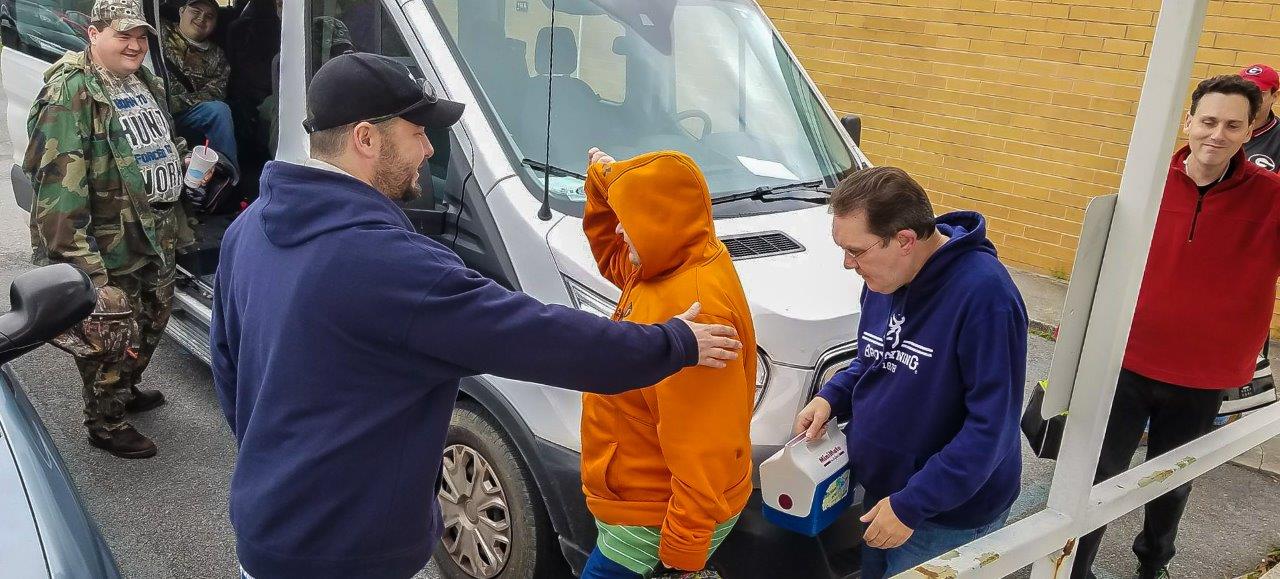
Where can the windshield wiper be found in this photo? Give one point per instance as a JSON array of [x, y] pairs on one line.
[[552, 169], [759, 193]]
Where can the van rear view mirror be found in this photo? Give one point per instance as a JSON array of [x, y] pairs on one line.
[[853, 126]]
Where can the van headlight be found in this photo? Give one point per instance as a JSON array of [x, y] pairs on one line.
[[589, 301], [763, 368], [832, 363]]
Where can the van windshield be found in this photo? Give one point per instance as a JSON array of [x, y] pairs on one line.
[[705, 77]]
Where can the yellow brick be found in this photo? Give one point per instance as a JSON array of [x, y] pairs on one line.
[[1248, 43], [1108, 59], [1065, 26], [978, 5], [1083, 42], [1021, 7], [1216, 56], [1130, 47], [1009, 35], [1044, 235], [1045, 39], [1104, 30], [1140, 33], [1061, 54]]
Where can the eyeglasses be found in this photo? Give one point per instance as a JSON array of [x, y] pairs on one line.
[[854, 256], [428, 96]]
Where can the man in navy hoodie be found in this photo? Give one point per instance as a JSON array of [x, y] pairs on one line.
[[339, 336], [935, 393]]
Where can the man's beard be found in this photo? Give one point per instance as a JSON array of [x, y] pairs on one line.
[[394, 178]]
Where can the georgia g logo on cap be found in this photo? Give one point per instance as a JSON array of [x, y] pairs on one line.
[[1254, 70]]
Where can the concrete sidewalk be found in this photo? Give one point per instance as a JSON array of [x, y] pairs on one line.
[[1044, 297]]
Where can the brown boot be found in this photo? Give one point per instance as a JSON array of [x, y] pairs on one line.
[[144, 400], [124, 442]]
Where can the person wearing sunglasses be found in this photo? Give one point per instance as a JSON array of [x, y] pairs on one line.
[[340, 334], [934, 396]]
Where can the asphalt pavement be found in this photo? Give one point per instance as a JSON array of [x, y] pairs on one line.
[[166, 517]]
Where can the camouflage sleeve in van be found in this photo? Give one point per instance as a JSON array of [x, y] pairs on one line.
[[195, 76], [60, 216]]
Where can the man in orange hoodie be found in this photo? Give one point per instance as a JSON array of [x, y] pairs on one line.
[[666, 469]]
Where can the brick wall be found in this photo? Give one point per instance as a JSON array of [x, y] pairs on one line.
[[1021, 110]]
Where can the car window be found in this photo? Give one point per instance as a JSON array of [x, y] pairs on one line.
[[45, 29], [353, 25]]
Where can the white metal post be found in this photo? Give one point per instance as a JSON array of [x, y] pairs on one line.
[[292, 142], [1160, 109]]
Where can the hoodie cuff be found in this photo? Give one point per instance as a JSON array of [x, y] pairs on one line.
[[837, 398], [682, 559], [908, 511], [686, 342]]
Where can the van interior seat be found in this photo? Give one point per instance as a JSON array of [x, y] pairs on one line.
[[578, 115], [500, 69]]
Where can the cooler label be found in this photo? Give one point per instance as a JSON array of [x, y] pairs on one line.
[[830, 456], [837, 490]]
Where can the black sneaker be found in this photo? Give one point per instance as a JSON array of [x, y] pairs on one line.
[[124, 442], [1144, 573], [144, 400]]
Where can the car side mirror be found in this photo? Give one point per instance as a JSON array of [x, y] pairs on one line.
[[44, 303], [853, 125]]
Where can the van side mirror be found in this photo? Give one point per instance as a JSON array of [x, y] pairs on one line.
[[853, 126], [44, 303]]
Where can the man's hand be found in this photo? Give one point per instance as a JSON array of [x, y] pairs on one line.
[[595, 155], [717, 344], [885, 531], [812, 421]]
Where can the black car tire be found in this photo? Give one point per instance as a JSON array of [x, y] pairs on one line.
[[534, 550]]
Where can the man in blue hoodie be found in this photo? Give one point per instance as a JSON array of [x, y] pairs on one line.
[[935, 393], [339, 336]]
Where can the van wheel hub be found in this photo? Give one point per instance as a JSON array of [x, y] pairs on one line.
[[477, 525]]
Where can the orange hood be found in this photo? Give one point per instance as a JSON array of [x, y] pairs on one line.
[[662, 201]]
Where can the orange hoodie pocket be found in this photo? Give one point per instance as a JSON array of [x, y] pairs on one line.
[[595, 472]]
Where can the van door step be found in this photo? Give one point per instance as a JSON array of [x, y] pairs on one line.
[[190, 335]]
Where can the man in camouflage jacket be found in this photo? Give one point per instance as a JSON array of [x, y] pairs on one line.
[[107, 172], [198, 76]]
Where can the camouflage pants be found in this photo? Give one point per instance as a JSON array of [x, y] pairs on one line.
[[108, 385]]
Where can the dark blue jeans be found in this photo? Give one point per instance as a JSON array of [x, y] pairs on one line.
[[210, 120], [601, 567], [925, 543]]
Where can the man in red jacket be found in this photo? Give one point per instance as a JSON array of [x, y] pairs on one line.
[[1204, 306]]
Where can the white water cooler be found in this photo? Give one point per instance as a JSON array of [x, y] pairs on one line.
[[806, 485]]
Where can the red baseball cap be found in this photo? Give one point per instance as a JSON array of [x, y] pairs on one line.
[[1262, 75]]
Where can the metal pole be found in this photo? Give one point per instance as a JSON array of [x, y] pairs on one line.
[[1160, 109], [293, 143]]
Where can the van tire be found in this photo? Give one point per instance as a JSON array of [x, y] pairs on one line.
[[534, 550]]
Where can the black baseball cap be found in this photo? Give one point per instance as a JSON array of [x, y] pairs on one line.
[[368, 87]]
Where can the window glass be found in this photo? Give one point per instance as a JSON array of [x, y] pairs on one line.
[[339, 26], [709, 78], [45, 29]]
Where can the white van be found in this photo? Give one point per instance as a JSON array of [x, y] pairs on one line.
[[711, 78]]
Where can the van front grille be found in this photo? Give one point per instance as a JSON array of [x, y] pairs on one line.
[[753, 245]]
